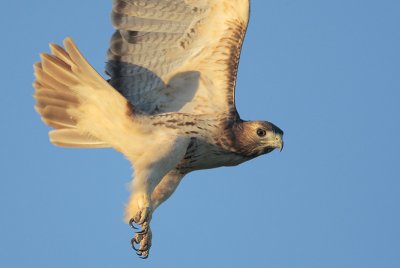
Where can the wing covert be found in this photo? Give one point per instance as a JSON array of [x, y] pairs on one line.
[[177, 55]]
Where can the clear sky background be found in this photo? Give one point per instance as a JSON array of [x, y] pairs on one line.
[[326, 72]]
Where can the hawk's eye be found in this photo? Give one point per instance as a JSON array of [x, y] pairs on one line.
[[261, 132]]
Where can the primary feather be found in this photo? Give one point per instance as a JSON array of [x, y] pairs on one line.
[[177, 56]]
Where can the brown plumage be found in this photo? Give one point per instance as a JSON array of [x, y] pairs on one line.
[[169, 106]]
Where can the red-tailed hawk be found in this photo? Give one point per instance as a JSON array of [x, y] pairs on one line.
[[169, 106]]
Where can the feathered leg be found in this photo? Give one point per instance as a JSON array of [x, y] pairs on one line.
[[150, 168], [161, 193], [87, 112], [166, 187]]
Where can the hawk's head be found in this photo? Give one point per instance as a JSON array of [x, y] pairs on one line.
[[254, 138]]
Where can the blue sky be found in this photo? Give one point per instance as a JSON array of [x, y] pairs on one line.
[[326, 72]]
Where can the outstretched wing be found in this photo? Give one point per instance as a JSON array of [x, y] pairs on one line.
[[177, 55]]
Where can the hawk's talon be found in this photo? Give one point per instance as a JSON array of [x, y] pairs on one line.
[[142, 216], [144, 254], [133, 242], [143, 231], [131, 223], [144, 248], [141, 242]]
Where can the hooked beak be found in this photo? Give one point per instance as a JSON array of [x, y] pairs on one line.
[[275, 142], [278, 141], [281, 145]]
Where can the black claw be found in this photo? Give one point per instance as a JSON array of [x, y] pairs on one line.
[[142, 232], [141, 253], [143, 250], [133, 242], [132, 224]]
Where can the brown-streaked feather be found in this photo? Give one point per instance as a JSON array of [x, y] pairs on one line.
[[191, 63]]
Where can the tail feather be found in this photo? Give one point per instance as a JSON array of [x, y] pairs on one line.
[[76, 101], [56, 116], [57, 68], [73, 139], [44, 79], [60, 53], [55, 94]]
